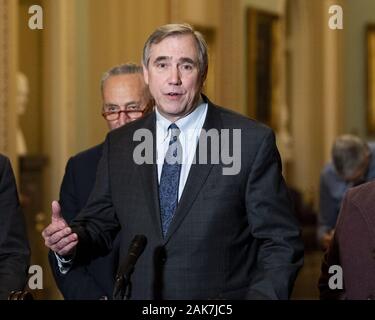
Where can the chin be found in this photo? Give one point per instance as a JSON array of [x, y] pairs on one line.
[[170, 109]]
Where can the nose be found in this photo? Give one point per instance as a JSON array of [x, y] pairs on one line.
[[175, 76], [123, 119]]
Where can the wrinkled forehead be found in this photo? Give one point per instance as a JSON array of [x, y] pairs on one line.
[[121, 89]]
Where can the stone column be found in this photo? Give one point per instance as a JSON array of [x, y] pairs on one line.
[[8, 71]]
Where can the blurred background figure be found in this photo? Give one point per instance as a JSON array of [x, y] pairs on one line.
[[352, 248], [14, 246], [353, 163]]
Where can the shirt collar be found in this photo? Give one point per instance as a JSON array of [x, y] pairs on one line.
[[185, 124]]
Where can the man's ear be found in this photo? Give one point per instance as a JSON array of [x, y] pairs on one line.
[[145, 73]]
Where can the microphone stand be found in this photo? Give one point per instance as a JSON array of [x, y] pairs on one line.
[[123, 286]]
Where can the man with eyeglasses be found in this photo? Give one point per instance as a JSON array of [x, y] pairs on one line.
[[125, 99]]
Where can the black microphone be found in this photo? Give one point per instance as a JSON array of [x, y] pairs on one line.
[[122, 282]]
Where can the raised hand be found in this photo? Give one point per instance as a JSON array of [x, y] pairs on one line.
[[58, 236]]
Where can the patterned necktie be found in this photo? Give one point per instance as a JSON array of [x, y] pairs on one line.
[[170, 178]]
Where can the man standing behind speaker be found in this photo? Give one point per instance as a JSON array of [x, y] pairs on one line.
[[125, 98], [14, 247]]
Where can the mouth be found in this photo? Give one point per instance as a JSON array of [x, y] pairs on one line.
[[173, 94]]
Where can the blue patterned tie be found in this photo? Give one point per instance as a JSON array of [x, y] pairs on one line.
[[170, 178]]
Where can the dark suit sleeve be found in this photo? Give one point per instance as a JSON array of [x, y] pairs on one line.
[[78, 283], [275, 228], [14, 247], [97, 224]]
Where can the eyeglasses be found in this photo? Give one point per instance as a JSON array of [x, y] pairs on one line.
[[111, 112]]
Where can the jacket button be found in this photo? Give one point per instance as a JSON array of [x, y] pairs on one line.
[[163, 256]]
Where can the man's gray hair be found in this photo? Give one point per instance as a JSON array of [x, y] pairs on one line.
[[348, 154], [126, 68], [170, 30]]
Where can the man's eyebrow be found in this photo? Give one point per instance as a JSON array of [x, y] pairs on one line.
[[161, 58], [187, 60], [133, 102], [137, 103]]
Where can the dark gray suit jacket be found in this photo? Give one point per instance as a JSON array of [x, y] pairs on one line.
[[14, 247], [232, 236]]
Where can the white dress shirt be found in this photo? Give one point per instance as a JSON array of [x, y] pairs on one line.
[[190, 127]]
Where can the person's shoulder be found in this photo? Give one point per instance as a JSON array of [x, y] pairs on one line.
[[3, 158], [88, 154], [145, 122], [363, 195], [4, 161], [328, 170], [358, 202], [371, 145], [234, 120]]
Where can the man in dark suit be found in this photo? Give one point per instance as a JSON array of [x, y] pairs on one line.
[[352, 249], [14, 246], [218, 226], [125, 97]]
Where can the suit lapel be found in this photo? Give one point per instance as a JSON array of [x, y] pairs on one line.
[[149, 176], [197, 175]]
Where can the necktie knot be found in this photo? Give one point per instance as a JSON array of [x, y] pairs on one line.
[[174, 152], [175, 132], [173, 126]]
